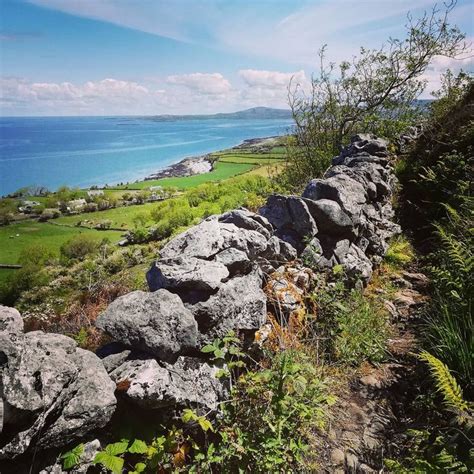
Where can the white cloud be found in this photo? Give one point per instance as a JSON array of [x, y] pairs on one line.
[[201, 83], [271, 79], [65, 97], [439, 65]]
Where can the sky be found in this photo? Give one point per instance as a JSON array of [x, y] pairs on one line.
[[141, 57]]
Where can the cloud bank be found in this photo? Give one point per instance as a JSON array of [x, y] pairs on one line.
[[184, 93]]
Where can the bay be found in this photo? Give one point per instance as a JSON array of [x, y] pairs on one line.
[[86, 151]]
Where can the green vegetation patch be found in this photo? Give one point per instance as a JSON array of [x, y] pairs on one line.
[[220, 172], [254, 159], [119, 218], [16, 237]]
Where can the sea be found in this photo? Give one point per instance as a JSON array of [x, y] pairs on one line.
[[86, 151]]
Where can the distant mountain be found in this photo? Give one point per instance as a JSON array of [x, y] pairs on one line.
[[261, 113]]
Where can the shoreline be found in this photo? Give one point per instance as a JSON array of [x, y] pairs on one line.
[[202, 164]]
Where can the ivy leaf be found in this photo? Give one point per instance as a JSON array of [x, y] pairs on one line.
[[138, 447], [222, 373], [110, 462], [72, 457], [188, 415]]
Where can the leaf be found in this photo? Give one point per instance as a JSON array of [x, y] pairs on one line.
[[222, 373], [188, 415], [72, 457], [205, 424], [299, 384], [138, 447], [117, 448], [219, 354], [179, 458], [208, 348], [140, 467], [234, 350], [112, 463]]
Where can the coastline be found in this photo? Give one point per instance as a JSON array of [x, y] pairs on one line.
[[195, 165]]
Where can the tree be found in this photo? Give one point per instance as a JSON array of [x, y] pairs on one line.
[[374, 92]]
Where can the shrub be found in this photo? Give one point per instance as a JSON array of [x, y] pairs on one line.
[[48, 214], [79, 247]]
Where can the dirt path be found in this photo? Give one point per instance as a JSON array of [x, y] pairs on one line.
[[371, 414]]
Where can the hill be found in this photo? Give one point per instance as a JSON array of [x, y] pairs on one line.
[[261, 113]]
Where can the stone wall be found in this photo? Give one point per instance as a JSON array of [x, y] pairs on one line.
[[208, 280]]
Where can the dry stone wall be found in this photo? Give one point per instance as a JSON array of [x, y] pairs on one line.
[[208, 280]]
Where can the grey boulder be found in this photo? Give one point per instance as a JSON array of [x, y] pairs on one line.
[[189, 381], [186, 273], [247, 220], [239, 304], [53, 393], [347, 192], [289, 214], [210, 237], [156, 322], [330, 218]]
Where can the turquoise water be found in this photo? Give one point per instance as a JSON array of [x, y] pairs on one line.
[[85, 151]]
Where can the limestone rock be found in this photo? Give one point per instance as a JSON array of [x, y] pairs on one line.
[[348, 193], [187, 382], [210, 237], [53, 393], [239, 304], [290, 217], [330, 218], [186, 273], [247, 220], [156, 322]]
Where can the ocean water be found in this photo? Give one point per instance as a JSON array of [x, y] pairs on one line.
[[85, 151]]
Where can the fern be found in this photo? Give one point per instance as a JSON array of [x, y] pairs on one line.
[[447, 385]]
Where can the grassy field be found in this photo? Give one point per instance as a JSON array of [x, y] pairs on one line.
[[253, 159], [120, 217], [220, 172], [16, 237]]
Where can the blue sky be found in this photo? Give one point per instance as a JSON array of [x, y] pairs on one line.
[[104, 57]]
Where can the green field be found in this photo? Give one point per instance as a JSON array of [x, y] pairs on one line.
[[16, 237], [220, 172], [120, 217], [252, 159]]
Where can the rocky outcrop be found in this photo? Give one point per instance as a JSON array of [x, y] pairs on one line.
[[52, 392]]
